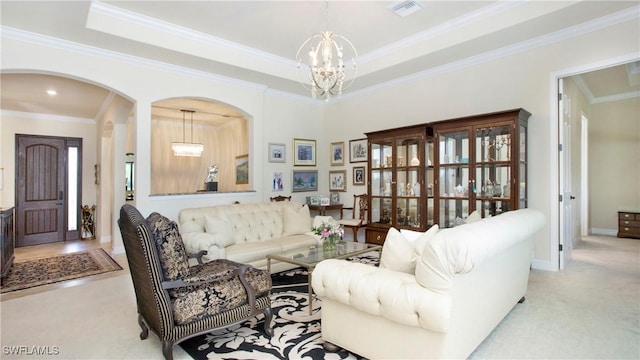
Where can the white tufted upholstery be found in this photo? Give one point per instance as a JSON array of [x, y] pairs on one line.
[[246, 233], [466, 281]]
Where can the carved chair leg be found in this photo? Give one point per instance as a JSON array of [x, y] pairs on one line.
[[268, 315], [167, 349], [145, 330]]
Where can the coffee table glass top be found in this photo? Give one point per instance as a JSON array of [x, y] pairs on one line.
[[311, 255]]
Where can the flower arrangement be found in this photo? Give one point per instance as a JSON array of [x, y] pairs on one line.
[[329, 233]]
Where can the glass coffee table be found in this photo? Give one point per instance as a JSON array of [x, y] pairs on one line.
[[309, 256]]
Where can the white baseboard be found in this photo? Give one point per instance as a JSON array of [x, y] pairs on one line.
[[607, 232], [543, 265], [105, 239]]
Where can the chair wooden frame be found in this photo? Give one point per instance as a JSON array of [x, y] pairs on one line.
[[358, 218], [280, 198]]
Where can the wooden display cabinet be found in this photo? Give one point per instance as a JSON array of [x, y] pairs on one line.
[[399, 162], [481, 165]]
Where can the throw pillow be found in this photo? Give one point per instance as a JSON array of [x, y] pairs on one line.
[[319, 220], [473, 217], [190, 226], [221, 229], [398, 253], [296, 220], [166, 237], [420, 239]]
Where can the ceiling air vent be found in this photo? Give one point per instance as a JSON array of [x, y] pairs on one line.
[[405, 7]]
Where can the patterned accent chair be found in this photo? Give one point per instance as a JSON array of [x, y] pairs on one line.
[[177, 301]]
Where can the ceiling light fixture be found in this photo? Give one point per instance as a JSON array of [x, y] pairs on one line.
[[187, 148], [326, 77]]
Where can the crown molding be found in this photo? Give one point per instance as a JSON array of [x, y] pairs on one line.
[[47, 117], [56, 43], [561, 35], [632, 13]]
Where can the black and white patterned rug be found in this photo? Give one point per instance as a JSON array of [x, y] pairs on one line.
[[296, 333]]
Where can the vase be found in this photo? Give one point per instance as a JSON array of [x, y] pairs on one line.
[[329, 243]]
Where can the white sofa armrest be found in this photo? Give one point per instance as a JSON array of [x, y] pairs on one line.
[[196, 241], [393, 295]]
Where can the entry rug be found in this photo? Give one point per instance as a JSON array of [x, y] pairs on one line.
[[296, 333], [49, 270]]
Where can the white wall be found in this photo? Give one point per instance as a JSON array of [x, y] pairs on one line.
[[521, 79], [614, 162]]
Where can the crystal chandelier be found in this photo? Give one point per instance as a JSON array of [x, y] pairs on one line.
[[328, 75], [187, 148]]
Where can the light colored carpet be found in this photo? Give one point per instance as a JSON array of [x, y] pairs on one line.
[[589, 310]]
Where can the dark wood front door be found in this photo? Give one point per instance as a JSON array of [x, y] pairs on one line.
[[40, 189]]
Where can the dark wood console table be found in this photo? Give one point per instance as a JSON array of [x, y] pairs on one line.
[[6, 239], [322, 209]]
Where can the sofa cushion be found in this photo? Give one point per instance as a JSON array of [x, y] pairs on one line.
[[296, 220], [397, 253], [402, 248], [173, 257], [420, 239], [221, 229], [191, 226], [252, 251], [196, 302]]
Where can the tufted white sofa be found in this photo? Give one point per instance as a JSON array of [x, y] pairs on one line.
[[436, 294], [246, 233]]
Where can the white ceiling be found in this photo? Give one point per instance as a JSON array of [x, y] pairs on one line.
[[256, 41]]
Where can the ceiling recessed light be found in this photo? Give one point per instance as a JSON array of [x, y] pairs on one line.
[[52, 92]]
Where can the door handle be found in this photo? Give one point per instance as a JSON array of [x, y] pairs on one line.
[[60, 195]]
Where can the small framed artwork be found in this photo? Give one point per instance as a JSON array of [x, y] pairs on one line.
[[338, 180], [304, 152], [277, 153], [358, 150], [358, 175], [278, 181], [304, 180], [334, 198], [325, 201], [337, 153], [242, 169]]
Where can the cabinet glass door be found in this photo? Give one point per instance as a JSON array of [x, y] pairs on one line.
[[409, 163], [494, 179], [454, 181], [381, 157]]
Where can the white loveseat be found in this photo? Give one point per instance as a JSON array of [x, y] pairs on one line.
[[463, 281], [246, 233]]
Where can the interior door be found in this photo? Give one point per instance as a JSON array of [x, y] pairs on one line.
[[566, 199], [40, 185]]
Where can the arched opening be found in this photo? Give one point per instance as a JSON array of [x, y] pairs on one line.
[[223, 130]]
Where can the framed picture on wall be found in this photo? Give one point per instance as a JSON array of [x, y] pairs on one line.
[[304, 152], [242, 169], [337, 153], [358, 175], [304, 180], [338, 180], [277, 153], [278, 181], [358, 150]]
